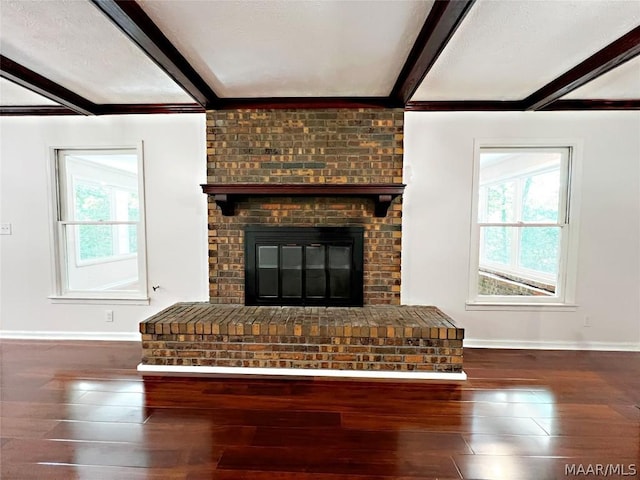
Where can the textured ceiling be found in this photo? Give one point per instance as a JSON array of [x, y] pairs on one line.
[[12, 94], [506, 50], [502, 50], [296, 49], [73, 44]]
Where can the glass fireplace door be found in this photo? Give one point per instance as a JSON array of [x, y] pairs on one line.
[[299, 266]]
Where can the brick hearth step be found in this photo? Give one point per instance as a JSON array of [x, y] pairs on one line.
[[386, 338]]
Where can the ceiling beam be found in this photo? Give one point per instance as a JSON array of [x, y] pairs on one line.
[[611, 56], [35, 82], [149, 108], [30, 110], [129, 17], [441, 23], [594, 104], [464, 106], [307, 102]]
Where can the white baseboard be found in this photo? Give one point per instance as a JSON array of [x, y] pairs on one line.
[[45, 335], [296, 372], [552, 345]]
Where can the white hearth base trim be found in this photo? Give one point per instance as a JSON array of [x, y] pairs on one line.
[[297, 372]]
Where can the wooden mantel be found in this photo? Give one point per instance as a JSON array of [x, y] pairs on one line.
[[225, 194]]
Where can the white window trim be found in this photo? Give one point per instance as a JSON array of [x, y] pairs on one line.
[[59, 294], [566, 288]]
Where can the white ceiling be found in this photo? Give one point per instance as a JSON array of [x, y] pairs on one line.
[[12, 94], [503, 50], [282, 48], [506, 50], [76, 46]]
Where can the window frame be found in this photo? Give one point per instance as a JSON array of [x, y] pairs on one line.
[[568, 221], [58, 185]]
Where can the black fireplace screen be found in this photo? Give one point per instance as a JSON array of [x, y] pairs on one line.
[[319, 266]]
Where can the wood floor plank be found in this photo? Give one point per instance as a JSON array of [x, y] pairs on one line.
[[336, 461], [408, 441], [79, 410]]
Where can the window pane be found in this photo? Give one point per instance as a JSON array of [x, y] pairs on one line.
[[95, 242], [499, 205], [126, 205], [495, 245], [540, 197], [92, 202], [127, 239], [520, 261], [90, 264], [539, 249]]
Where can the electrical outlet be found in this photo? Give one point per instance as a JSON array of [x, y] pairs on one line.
[[587, 321], [5, 229], [108, 315]]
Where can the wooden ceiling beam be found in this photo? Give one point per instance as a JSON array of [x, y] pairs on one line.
[[306, 102], [35, 82], [129, 17], [611, 56], [443, 20], [464, 106]]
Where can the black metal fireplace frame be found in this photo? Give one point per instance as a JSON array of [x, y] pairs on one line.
[[285, 236]]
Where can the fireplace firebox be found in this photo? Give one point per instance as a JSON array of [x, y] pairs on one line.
[[310, 266]]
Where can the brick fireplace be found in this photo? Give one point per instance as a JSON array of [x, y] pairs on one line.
[[319, 170], [330, 146]]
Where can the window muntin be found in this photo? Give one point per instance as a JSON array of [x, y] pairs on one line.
[[521, 228], [99, 224]]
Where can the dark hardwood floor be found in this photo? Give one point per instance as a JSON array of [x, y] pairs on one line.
[[79, 410]]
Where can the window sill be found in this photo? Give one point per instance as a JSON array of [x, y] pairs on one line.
[[521, 307], [99, 300]]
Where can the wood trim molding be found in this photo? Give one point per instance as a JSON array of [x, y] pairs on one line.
[[225, 194], [35, 82], [594, 105], [308, 103], [28, 110], [465, 106], [149, 108], [443, 20], [611, 56], [129, 17]]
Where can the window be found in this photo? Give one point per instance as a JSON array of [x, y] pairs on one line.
[[98, 229], [523, 225]]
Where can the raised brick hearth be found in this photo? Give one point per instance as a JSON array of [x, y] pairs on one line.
[[386, 338]]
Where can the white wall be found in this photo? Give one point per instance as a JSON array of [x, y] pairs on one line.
[[437, 206], [176, 219], [437, 215]]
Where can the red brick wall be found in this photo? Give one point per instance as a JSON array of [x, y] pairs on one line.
[[305, 146]]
